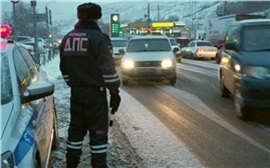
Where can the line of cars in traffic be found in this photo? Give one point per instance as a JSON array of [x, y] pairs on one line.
[[44, 44], [154, 57], [244, 71], [121, 43]]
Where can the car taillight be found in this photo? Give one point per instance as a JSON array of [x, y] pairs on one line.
[[44, 46], [30, 50]]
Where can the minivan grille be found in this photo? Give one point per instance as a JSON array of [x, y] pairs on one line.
[[148, 64]]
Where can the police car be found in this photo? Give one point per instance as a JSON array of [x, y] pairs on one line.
[[28, 117]]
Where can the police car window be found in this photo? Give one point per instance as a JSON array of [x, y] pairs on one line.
[[23, 72], [29, 60], [6, 88]]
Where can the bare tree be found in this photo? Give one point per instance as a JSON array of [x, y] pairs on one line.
[[172, 18]]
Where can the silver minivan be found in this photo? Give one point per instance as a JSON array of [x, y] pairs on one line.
[[148, 58]]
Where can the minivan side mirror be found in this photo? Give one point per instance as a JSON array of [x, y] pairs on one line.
[[121, 51], [175, 49], [231, 46]]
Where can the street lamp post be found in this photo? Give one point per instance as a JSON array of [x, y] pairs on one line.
[[47, 21], [14, 19], [148, 19], [49, 18], [33, 4]]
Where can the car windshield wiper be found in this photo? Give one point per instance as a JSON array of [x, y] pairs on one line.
[[147, 50], [141, 51], [161, 50], [267, 49]]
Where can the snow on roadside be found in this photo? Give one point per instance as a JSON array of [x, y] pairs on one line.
[[154, 142], [62, 95]]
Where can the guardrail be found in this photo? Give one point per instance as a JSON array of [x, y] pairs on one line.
[[47, 56]]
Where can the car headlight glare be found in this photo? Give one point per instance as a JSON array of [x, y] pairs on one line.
[[7, 160], [166, 63], [224, 61], [237, 68], [258, 72], [128, 64]]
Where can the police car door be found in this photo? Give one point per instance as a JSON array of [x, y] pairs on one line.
[[30, 125]]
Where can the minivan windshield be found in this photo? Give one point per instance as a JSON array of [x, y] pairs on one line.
[[148, 45], [256, 38]]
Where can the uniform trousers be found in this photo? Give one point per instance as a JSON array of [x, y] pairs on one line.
[[88, 113]]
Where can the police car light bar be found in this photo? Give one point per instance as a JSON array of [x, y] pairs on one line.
[[5, 30]]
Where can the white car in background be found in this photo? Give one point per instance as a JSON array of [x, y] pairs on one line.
[[30, 41], [42, 46], [199, 49], [29, 48], [117, 44]]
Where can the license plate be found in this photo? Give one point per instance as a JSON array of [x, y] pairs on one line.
[[146, 70]]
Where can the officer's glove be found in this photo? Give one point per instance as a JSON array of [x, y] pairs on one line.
[[115, 101]]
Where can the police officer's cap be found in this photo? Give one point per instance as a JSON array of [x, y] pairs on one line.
[[88, 11]]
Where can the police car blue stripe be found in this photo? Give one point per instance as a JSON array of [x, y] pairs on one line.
[[26, 142]]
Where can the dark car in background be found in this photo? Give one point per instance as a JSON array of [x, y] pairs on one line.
[[219, 55], [174, 44], [52, 44], [183, 41], [245, 65]]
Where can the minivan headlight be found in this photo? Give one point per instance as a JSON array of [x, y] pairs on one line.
[[166, 64], [258, 72], [7, 160], [128, 64]]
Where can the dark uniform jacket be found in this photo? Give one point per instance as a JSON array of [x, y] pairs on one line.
[[86, 58]]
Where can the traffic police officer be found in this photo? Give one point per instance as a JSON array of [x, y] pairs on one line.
[[87, 65]]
